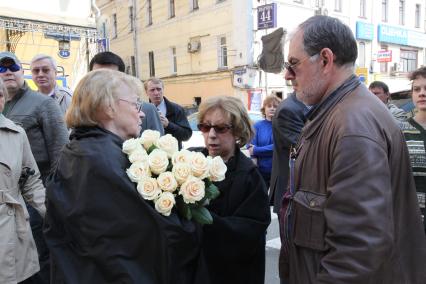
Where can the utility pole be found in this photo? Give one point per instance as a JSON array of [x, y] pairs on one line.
[[135, 37]]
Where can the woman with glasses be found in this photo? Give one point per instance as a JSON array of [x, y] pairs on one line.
[[19, 181], [234, 245], [262, 145], [98, 227]]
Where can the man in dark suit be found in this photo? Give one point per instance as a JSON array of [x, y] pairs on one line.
[[172, 115], [286, 127]]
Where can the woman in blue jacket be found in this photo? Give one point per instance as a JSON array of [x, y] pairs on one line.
[[262, 145]]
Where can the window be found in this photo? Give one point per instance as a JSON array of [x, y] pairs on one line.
[[114, 26], [408, 60], [401, 12], [151, 64], [384, 10], [171, 8], [223, 53], [194, 5], [384, 65], [417, 16], [131, 19], [362, 8], [174, 60], [319, 3], [361, 54], [338, 5], [149, 12]]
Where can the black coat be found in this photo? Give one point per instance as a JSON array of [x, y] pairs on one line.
[[234, 245], [286, 126], [178, 123], [100, 230]]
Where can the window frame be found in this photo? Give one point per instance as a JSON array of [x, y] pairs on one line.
[[151, 63], [222, 52]]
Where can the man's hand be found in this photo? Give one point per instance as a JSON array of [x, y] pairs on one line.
[[164, 120], [251, 149]]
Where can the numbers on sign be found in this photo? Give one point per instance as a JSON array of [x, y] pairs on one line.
[[266, 15]]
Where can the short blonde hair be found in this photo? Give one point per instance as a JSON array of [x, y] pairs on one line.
[[154, 80], [96, 91], [3, 89], [233, 110], [269, 100]]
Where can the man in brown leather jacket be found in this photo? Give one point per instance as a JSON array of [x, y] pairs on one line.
[[351, 213]]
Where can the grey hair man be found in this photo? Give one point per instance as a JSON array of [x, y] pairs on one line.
[[350, 214], [381, 91], [44, 71], [43, 122]]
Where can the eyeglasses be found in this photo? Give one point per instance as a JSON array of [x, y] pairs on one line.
[[137, 104], [290, 67], [43, 70], [220, 129], [14, 67]]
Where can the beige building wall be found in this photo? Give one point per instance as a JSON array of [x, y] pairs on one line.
[[198, 73]]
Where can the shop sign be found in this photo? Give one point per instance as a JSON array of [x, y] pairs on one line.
[[384, 56]]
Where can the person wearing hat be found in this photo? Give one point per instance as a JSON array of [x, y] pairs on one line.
[[43, 122]]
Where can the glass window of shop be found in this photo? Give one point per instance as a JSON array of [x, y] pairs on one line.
[[384, 65], [408, 60]]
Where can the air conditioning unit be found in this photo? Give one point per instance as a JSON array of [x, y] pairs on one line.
[[194, 46], [321, 11]]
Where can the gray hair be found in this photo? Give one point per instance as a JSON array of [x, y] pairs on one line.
[[44, 56]]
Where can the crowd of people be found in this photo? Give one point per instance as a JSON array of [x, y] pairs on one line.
[[344, 169]]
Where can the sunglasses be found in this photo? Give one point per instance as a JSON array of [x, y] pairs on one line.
[[220, 129], [14, 67], [290, 67]]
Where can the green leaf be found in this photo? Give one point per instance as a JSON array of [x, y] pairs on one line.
[[212, 192], [201, 215], [183, 209], [150, 149]]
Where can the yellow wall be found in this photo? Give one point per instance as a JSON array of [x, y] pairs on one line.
[[197, 73]]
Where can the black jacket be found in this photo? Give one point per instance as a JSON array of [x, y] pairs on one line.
[[100, 230], [234, 245], [178, 123], [286, 126]]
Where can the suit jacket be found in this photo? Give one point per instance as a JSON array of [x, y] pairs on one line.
[[178, 123], [286, 127], [152, 118]]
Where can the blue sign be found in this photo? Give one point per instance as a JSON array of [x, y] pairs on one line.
[[364, 31], [400, 36], [267, 16], [64, 53]]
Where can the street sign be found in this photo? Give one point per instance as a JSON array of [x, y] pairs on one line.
[[267, 16], [64, 53]]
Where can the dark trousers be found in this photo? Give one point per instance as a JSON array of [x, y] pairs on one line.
[[43, 276], [267, 178]]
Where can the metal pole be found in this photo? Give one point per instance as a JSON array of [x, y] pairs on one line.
[[135, 38]]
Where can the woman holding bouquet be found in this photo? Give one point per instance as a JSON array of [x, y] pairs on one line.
[[98, 227], [234, 245]]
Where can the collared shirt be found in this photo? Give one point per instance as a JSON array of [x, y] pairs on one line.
[[162, 108]]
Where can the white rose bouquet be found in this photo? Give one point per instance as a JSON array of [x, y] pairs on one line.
[[172, 178]]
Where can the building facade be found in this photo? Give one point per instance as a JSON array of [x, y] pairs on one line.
[[204, 48]]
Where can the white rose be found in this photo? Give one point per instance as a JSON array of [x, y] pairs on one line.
[[158, 161], [131, 145], [148, 138], [182, 171], [168, 143], [200, 165], [165, 203], [139, 155], [137, 171], [182, 156], [217, 169], [192, 190], [148, 188], [167, 182]]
